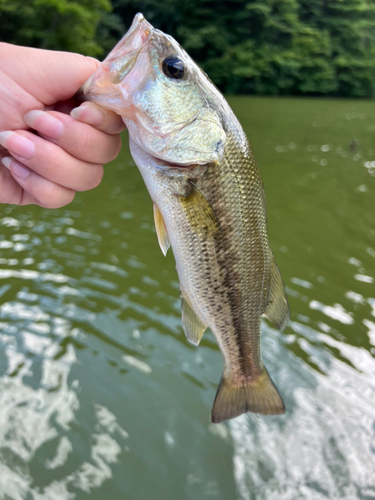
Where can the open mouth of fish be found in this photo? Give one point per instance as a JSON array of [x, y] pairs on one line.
[[118, 64]]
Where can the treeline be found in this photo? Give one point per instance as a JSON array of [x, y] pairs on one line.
[[313, 47]]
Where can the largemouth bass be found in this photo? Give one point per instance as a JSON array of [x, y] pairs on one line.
[[209, 205]]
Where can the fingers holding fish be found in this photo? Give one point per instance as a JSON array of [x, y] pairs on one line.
[[80, 140], [103, 119], [21, 186], [11, 191], [28, 188], [50, 161]]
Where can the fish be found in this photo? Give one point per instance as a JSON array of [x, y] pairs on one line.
[[209, 205]]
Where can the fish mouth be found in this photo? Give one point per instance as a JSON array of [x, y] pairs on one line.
[[101, 86]]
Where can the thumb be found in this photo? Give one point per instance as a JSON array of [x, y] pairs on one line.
[[65, 72], [52, 76]]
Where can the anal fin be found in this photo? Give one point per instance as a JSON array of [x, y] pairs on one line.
[[161, 230], [193, 327], [257, 395], [277, 309]]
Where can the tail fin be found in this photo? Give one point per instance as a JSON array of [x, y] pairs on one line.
[[256, 395]]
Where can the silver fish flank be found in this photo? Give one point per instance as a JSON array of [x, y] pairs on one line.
[[209, 205]]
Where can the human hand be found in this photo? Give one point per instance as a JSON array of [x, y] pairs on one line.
[[46, 154]]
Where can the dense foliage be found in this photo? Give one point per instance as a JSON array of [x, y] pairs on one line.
[[54, 24], [311, 47]]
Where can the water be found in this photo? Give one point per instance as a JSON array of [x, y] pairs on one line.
[[102, 396]]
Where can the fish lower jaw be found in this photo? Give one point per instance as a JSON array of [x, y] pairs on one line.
[[168, 164], [160, 162]]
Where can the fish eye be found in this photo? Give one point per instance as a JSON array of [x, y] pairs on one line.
[[173, 67]]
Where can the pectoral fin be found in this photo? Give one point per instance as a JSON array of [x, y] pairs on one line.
[[199, 212], [277, 309], [193, 327], [161, 230]]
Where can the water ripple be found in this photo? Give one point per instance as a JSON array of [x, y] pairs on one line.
[[99, 388]]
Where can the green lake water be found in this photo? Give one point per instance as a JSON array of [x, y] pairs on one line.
[[102, 397]]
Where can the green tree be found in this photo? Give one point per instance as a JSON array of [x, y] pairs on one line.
[[54, 24], [315, 47], [351, 28], [272, 46]]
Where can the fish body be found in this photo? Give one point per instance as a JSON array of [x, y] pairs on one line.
[[209, 205]]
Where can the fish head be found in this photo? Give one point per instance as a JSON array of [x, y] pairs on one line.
[[169, 105]]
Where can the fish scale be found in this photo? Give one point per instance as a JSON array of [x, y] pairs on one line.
[[209, 205], [238, 187]]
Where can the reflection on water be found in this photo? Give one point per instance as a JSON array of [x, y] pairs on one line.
[[325, 446], [101, 394]]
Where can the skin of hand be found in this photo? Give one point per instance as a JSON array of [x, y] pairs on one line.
[[49, 147]]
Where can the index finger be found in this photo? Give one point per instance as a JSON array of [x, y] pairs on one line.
[[82, 141], [102, 119]]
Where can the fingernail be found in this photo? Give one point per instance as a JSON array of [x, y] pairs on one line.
[[17, 169], [17, 144], [4, 136], [7, 161], [49, 125], [88, 114]]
